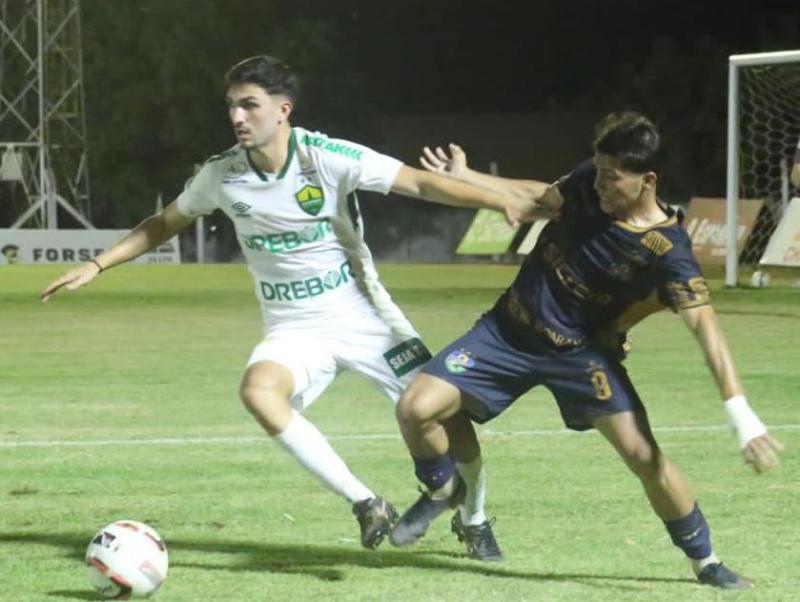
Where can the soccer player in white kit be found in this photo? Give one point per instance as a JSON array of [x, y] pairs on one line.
[[291, 196]]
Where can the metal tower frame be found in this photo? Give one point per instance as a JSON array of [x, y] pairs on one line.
[[42, 117]]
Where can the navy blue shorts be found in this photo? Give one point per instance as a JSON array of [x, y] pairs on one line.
[[492, 373]]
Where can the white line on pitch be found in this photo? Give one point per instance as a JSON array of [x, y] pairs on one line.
[[488, 433]]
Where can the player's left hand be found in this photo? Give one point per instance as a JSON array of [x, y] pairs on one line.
[[762, 452], [439, 161]]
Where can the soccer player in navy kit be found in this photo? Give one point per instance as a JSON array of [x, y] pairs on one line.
[[613, 254]]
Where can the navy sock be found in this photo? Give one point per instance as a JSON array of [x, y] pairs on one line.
[[691, 534], [434, 472]]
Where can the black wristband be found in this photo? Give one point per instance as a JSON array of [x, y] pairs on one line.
[[97, 263]]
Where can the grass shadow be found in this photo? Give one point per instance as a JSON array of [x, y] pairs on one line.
[[326, 563], [74, 594]]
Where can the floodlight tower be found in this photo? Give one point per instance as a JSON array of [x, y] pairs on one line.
[[42, 118]]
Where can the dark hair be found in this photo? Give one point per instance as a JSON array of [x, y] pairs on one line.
[[631, 138], [272, 74], [9, 247]]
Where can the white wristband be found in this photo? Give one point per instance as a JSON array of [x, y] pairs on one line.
[[744, 421]]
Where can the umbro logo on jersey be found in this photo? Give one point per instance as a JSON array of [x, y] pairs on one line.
[[310, 198], [241, 209]]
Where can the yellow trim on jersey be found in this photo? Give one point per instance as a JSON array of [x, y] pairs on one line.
[[670, 221]]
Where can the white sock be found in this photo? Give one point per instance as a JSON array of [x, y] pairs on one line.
[[472, 510], [699, 565], [311, 449]]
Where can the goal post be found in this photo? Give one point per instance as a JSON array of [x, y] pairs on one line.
[[763, 130]]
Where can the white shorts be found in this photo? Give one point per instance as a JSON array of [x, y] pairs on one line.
[[366, 344]]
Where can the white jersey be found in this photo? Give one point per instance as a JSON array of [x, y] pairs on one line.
[[300, 230]]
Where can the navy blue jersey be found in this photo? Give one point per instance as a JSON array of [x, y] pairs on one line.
[[591, 277]]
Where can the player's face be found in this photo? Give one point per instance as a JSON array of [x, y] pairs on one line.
[[255, 114], [619, 190]]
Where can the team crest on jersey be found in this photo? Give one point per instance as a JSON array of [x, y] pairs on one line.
[[459, 361], [310, 198]]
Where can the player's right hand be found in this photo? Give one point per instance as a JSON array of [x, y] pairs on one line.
[[762, 452], [527, 210], [518, 211], [453, 165], [72, 280]]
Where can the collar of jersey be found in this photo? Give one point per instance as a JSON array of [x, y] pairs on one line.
[[672, 218], [289, 157], [662, 224]]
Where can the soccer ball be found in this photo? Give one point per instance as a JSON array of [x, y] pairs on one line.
[[127, 559]]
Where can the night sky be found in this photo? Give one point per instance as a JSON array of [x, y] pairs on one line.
[[435, 56], [518, 84]]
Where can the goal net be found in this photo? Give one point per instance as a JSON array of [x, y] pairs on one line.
[[763, 131]]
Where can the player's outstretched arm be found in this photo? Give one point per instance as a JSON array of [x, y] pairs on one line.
[[153, 231], [758, 447], [453, 163], [432, 187]]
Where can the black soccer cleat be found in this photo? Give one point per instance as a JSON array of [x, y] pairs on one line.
[[416, 520], [375, 517], [718, 575], [479, 539]]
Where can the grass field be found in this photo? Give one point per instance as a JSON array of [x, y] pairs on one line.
[[120, 402]]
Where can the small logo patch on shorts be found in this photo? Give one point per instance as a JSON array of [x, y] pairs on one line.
[[406, 356], [459, 361]]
